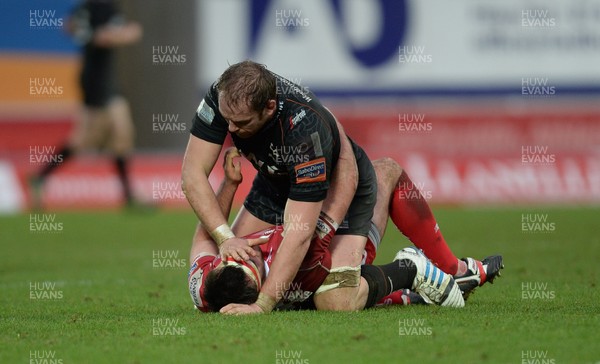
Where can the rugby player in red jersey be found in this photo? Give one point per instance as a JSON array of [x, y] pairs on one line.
[[240, 285], [215, 282]]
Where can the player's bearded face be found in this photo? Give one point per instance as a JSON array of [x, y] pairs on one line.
[[243, 121]]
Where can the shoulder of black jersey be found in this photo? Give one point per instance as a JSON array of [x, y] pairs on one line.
[[208, 107], [290, 90]]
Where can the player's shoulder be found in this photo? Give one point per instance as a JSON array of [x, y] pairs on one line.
[[293, 90], [204, 257], [212, 96], [209, 106], [202, 264], [213, 91], [301, 120]]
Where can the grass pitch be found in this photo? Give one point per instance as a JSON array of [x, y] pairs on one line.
[[111, 288]]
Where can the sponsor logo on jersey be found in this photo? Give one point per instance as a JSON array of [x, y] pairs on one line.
[[194, 266], [205, 113], [322, 229], [195, 283], [299, 116], [311, 171]]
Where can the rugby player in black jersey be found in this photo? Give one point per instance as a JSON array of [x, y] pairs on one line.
[[294, 142], [106, 122]]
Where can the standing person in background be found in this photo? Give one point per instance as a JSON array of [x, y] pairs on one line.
[[106, 119]]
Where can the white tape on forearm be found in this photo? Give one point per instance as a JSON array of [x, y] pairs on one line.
[[222, 233], [265, 302]]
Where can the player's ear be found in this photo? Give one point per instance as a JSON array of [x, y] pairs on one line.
[[271, 106]]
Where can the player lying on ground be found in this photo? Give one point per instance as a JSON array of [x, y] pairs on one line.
[[388, 172], [215, 282]]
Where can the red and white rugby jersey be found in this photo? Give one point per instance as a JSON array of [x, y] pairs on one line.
[[204, 263], [201, 266]]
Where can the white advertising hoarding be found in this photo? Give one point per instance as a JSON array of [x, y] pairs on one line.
[[395, 46]]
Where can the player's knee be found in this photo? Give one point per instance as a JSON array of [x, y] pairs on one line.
[[388, 170], [387, 166]]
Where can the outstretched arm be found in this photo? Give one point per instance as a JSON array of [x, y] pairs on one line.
[[202, 241], [116, 35], [200, 157]]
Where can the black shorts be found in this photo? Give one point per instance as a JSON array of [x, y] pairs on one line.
[[98, 86], [267, 204]]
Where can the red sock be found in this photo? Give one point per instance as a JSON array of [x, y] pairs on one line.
[[412, 216], [399, 297]]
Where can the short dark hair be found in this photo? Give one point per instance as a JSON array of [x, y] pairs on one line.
[[228, 285], [248, 84]]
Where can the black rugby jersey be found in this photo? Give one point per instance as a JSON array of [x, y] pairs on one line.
[[295, 151]]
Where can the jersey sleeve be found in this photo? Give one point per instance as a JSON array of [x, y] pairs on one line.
[[208, 123], [87, 17], [312, 141], [201, 266]]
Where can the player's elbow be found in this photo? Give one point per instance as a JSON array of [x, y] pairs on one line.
[[185, 182], [387, 170], [304, 238], [189, 174], [299, 236], [188, 180]]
